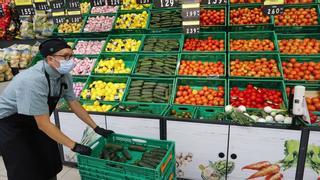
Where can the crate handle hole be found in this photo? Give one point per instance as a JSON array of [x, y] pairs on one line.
[[183, 108], [209, 110], [139, 140], [144, 105]]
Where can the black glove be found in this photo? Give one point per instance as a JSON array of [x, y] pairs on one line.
[[81, 149], [102, 132]]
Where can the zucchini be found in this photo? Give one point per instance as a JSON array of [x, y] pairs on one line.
[[115, 147], [137, 148], [126, 154]]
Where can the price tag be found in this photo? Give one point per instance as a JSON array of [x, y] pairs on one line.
[[1, 11], [191, 29], [59, 19], [57, 5], [143, 1], [25, 10], [213, 2], [191, 14], [98, 2], [41, 6], [73, 5], [271, 10], [23, 2], [74, 18], [114, 2], [166, 3]]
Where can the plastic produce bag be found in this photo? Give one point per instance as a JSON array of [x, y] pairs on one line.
[[25, 56], [35, 49], [4, 67], [42, 26], [26, 28]]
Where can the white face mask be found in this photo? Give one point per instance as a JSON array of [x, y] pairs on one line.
[[66, 66]]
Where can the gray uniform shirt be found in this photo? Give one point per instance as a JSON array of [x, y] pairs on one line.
[[28, 92]]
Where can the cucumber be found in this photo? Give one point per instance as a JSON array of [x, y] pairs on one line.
[[151, 163], [122, 160], [126, 154], [115, 147], [159, 150], [143, 164]]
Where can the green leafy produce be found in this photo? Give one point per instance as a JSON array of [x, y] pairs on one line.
[[313, 158], [222, 167], [291, 154]]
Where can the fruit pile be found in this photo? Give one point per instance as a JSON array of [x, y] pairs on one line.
[[84, 7], [132, 21], [297, 17], [88, 47], [77, 88], [132, 5], [299, 46], [166, 19], [245, 1], [298, 1], [99, 24], [255, 97], [182, 114], [252, 45], [96, 107], [111, 66], [123, 45], [144, 91], [70, 27], [248, 16], [82, 66], [255, 68], [104, 9], [211, 17], [294, 70], [205, 97], [161, 44], [157, 66], [105, 91], [199, 68], [208, 44]]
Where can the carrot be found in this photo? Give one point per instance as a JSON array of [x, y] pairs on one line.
[[266, 171], [257, 166], [277, 176]]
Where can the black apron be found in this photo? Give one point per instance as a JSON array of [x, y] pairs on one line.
[[28, 153]]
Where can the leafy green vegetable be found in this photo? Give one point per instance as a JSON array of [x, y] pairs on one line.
[[313, 157], [291, 152]]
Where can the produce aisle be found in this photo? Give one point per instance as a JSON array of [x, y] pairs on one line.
[[222, 94]]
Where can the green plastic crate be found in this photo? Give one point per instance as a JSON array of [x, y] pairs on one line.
[[127, 169], [169, 81], [252, 57], [136, 37], [132, 30], [68, 35], [249, 27], [139, 109], [269, 84], [91, 34], [198, 84], [90, 102], [300, 59], [300, 29], [271, 35], [298, 36], [215, 27], [129, 61], [174, 29], [178, 37], [208, 113], [205, 35], [203, 57], [121, 10], [140, 58], [82, 57], [89, 39], [179, 109], [113, 79]]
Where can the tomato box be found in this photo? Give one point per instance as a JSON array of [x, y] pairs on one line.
[[206, 27], [205, 42], [209, 114], [239, 42], [305, 67], [257, 97], [235, 60], [200, 92], [199, 61]]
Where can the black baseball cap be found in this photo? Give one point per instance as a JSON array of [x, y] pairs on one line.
[[51, 46]]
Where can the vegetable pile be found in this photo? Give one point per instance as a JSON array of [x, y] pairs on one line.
[[157, 66], [83, 66], [297, 17], [208, 44], [97, 107], [144, 91], [104, 9], [258, 68], [255, 97], [205, 96], [99, 24], [111, 66], [84, 7], [132, 21], [88, 47], [201, 68], [161, 44], [69, 27], [294, 70], [265, 169], [123, 45], [166, 19], [210, 17], [299, 46], [251, 45], [132, 5], [181, 114], [77, 88], [105, 91], [248, 16]]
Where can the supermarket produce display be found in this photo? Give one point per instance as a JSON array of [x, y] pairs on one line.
[[233, 78]]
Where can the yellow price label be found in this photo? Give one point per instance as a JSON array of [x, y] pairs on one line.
[[73, 12], [23, 2], [58, 13], [39, 1], [273, 2]]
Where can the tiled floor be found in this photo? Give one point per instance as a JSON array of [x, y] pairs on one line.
[[66, 174]]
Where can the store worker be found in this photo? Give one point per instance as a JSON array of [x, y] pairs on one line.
[[28, 140]]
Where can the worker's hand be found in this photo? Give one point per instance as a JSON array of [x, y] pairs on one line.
[[102, 132], [81, 149]]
